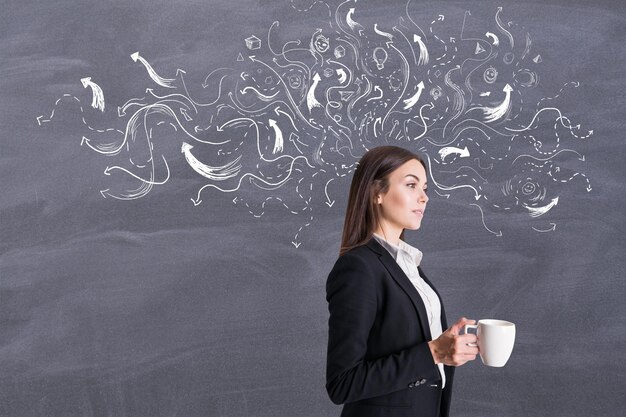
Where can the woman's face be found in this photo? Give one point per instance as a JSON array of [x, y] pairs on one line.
[[404, 203]]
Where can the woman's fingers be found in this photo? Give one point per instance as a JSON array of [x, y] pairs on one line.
[[467, 338], [463, 352], [454, 349], [469, 350], [458, 326]]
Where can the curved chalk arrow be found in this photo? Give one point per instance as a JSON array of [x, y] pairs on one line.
[[342, 75], [278, 112], [379, 97], [410, 102], [105, 149], [311, 101], [107, 171], [560, 118], [262, 96], [330, 203], [278, 142], [349, 20], [164, 82], [381, 33], [463, 153], [477, 195], [538, 211], [482, 215], [551, 229], [423, 59], [218, 173], [494, 113], [493, 36], [97, 101], [502, 29]]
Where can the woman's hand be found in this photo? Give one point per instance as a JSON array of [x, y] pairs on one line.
[[451, 348]]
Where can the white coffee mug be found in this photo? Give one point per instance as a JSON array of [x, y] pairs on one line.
[[495, 340]]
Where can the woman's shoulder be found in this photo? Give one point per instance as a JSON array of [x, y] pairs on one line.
[[356, 271], [358, 257], [361, 251]]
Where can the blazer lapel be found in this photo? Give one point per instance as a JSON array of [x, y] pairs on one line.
[[405, 283]]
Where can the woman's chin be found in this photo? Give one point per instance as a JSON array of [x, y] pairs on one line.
[[415, 226]]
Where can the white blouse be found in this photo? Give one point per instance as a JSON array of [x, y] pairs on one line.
[[409, 258]]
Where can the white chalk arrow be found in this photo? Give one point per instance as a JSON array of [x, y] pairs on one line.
[[349, 20], [279, 112], [311, 101], [477, 195], [293, 138], [376, 88], [494, 113], [506, 32], [381, 33], [378, 122], [493, 36], [328, 202], [463, 153], [342, 75], [218, 173], [538, 211], [106, 149], [262, 96], [551, 229], [482, 215], [108, 169], [97, 101], [423, 59], [278, 142], [183, 111], [410, 102], [164, 82]]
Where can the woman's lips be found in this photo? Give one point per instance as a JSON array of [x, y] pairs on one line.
[[418, 212]]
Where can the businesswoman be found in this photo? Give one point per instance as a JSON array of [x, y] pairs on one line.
[[388, 353]]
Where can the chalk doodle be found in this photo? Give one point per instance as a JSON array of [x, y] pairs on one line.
[[286, 119]]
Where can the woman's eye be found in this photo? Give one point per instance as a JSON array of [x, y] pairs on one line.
[[412, 185]]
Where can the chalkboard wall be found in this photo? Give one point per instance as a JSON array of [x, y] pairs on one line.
[[175, 176]]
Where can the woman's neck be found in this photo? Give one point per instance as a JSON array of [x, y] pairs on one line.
[[389, 237]]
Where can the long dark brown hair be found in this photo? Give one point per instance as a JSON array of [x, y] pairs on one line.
[[370, 178]]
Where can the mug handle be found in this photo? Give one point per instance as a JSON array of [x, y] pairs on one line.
[[465, 330]]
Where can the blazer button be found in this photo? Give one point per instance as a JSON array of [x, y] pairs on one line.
[[422, 381], [411, 385]]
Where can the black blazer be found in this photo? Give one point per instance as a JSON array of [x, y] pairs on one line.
[[378, 360]]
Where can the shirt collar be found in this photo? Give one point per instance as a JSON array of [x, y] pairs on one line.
[[402, 248]]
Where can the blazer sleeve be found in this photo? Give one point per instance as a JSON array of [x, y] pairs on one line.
[[352, 304]]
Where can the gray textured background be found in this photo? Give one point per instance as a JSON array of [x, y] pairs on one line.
[[155, 307]]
